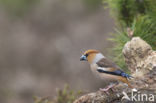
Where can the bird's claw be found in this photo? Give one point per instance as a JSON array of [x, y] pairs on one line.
[[107, 89]]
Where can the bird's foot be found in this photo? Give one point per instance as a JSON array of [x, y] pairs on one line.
[[108, 88], [105, 90]]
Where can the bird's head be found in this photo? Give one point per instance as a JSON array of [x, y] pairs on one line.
[[92, 56]]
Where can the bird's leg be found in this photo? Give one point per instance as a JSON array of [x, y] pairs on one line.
[[108, 87], [113, 90]]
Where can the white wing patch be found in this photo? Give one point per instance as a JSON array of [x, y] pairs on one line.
[[101, 68]]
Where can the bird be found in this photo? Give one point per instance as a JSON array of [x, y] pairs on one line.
[[105, 69]]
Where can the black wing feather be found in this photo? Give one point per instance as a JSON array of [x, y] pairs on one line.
[[116, 72]]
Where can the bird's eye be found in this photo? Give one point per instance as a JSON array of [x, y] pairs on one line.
[[86, 55]]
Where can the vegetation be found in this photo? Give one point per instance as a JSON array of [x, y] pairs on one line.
[[138, 16], [63, 96]]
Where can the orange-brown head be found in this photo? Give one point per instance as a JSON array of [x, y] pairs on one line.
[[91, 55]]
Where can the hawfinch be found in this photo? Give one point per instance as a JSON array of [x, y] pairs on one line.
[[105, 69]]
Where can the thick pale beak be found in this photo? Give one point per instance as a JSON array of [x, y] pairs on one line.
[[83, 58]]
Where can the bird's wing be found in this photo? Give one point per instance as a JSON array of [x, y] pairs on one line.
[[105, 63], [108, 67]]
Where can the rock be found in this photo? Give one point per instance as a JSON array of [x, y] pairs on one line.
[[99, 97], [141, 61], [139, 56], [120, 96]]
